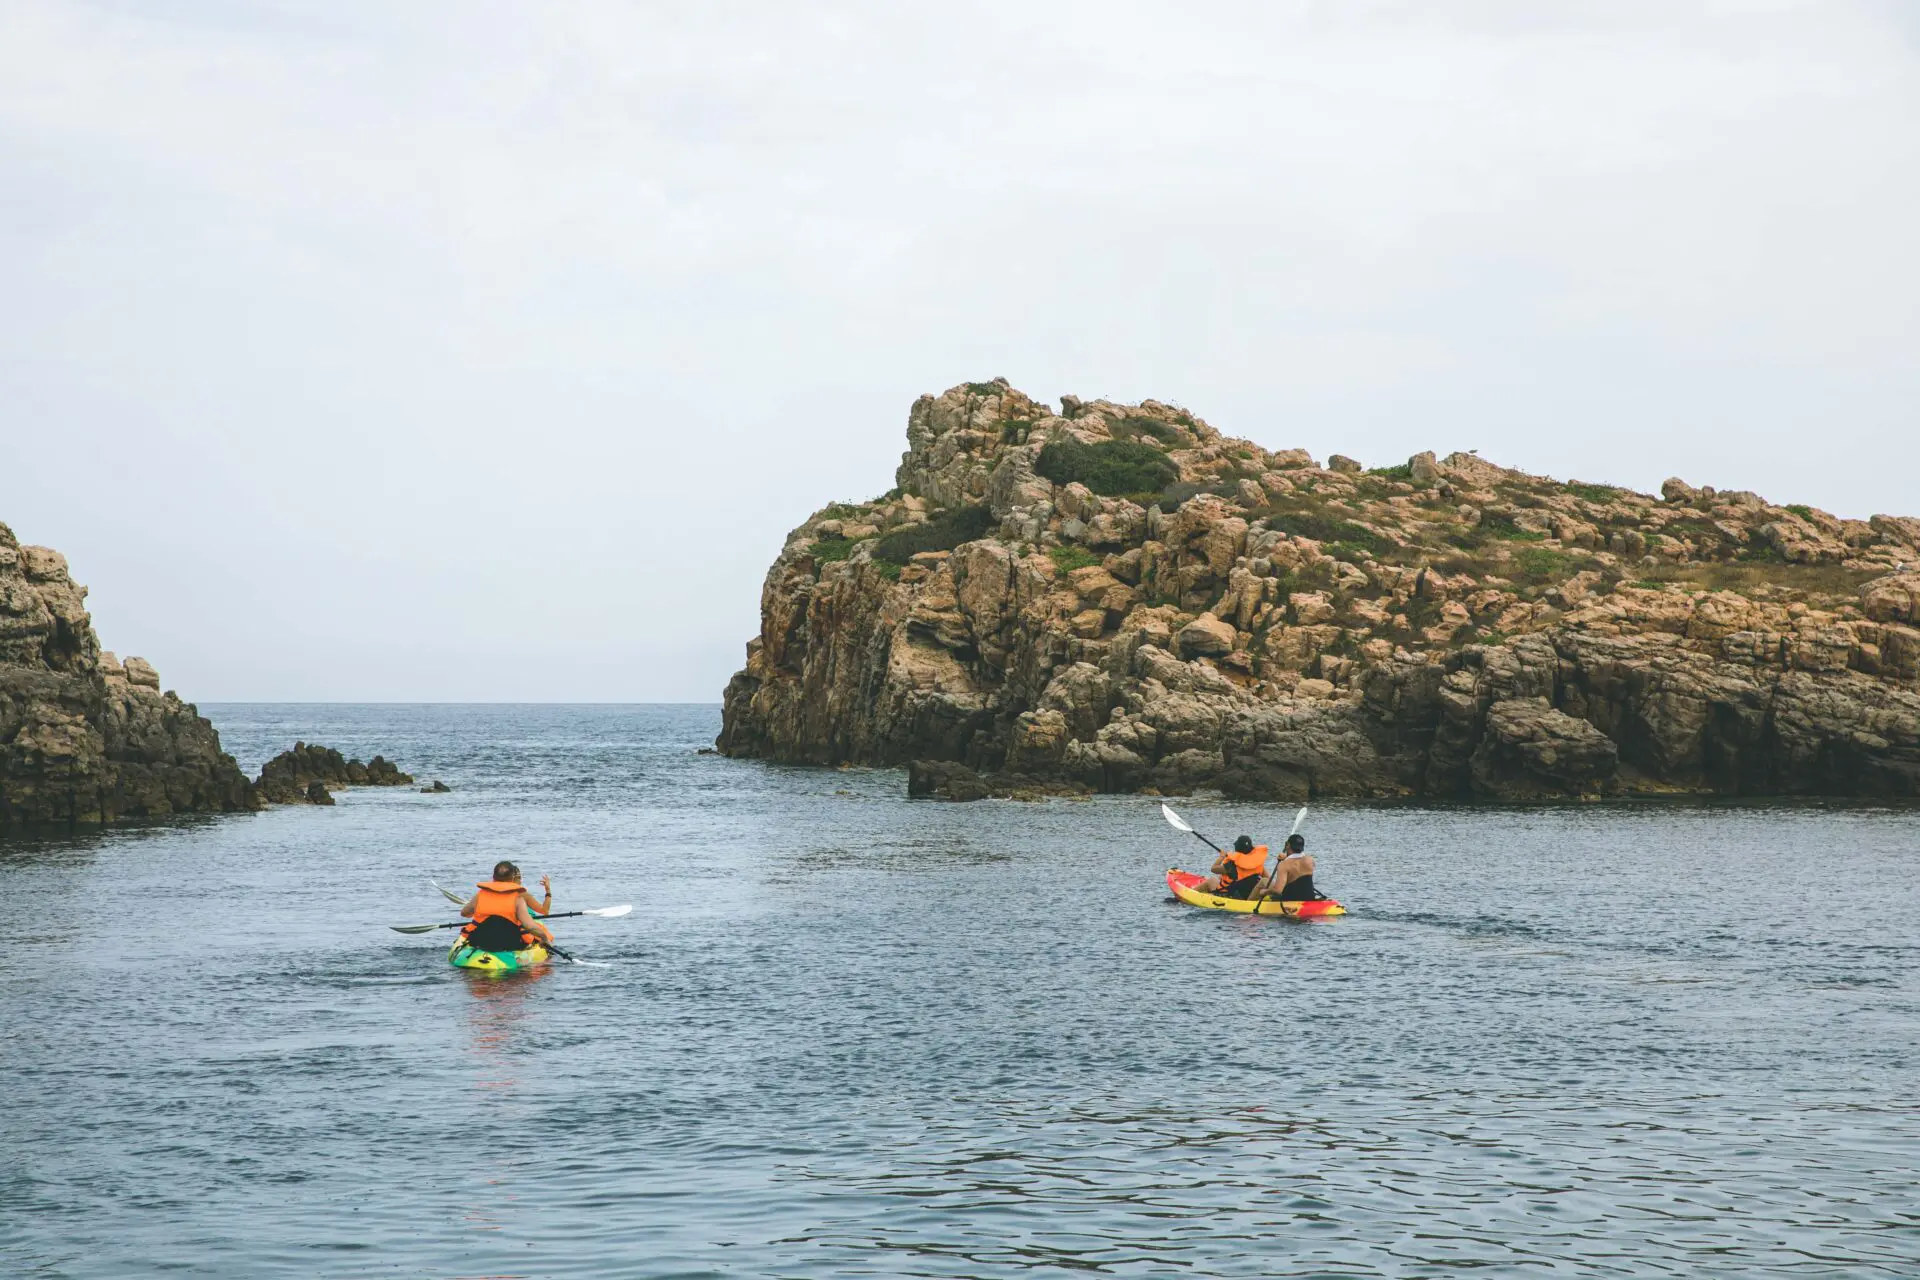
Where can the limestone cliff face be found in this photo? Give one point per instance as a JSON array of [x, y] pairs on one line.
[[1221, 615], [85, 738]]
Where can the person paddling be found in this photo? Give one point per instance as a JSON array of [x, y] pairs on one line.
[[1237, 871], [1292, 878], [502, 912]]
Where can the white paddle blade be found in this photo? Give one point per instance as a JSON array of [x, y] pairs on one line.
[[451, 896], [1298, 818], [415, 928], [625, 908], [1179, 824]]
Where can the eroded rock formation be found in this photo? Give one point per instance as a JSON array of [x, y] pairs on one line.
[[1118, 597], [305, 775], [84, 737]]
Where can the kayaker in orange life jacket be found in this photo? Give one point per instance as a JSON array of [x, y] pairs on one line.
[[502, 910], [1237, 870]]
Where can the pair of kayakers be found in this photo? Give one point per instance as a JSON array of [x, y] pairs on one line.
[[1241, 872], [502, 912]]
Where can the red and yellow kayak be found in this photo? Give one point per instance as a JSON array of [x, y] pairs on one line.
[[1182, 884]]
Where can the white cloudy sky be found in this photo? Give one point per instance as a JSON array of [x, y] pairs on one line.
[[487, 350]]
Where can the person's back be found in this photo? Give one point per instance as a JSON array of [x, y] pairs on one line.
[[501, 920], [1293, 875]]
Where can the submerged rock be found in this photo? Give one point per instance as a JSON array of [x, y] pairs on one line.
[[1036, 606], [84, 737]]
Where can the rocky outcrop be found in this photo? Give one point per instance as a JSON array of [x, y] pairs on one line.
[[84, 737], [1119, 598], [307, 773]]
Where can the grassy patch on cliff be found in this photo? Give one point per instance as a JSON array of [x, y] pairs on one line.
[[830, 550], [1492, 527], [1539, 565], [942, 532], [1745, 576], [1111, 467], [1067, 559], [1322, 525], [1132, 428]]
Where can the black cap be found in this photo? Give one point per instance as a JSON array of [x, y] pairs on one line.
[[1243, 845]]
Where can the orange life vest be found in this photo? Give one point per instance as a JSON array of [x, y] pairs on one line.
[[498, 898], [1251, 863]]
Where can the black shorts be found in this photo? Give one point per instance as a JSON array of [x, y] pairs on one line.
[[497, 933], [1241, 888]]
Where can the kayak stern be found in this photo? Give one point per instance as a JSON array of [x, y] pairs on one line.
[[496, 962]]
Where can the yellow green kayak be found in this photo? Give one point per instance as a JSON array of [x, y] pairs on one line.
[[465, 957], [1183, 885]]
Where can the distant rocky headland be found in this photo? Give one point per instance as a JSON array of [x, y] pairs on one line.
[[86, 739], [1115, 597]]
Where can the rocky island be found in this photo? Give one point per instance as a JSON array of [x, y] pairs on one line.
[[306, 774], [84, 737], [1114, 597]]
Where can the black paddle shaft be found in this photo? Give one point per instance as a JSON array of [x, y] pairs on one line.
[[1210, 844]]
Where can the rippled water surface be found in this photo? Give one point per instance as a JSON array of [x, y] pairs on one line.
[[846, 1035]]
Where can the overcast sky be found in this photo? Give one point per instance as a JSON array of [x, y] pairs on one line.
[[488, 351]]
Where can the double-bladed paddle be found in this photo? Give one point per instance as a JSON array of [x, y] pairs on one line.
[[610, 913], [552, 948]]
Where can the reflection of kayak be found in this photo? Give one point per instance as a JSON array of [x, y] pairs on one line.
[[1182, 883], [465, 957]]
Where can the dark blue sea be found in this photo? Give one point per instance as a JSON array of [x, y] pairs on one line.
[[842, 1034]]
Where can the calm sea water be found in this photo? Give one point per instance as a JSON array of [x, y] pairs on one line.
[[845, 1035]]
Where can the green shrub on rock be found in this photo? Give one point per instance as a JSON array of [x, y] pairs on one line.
[[1067, 559], [1324, 527], [1111, 467], [1132, 428], [942, 532], [829, 550], [1541, 564]]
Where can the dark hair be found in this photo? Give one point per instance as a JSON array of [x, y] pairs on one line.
[[1243, 845], [505, 871], [1296, 843]]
